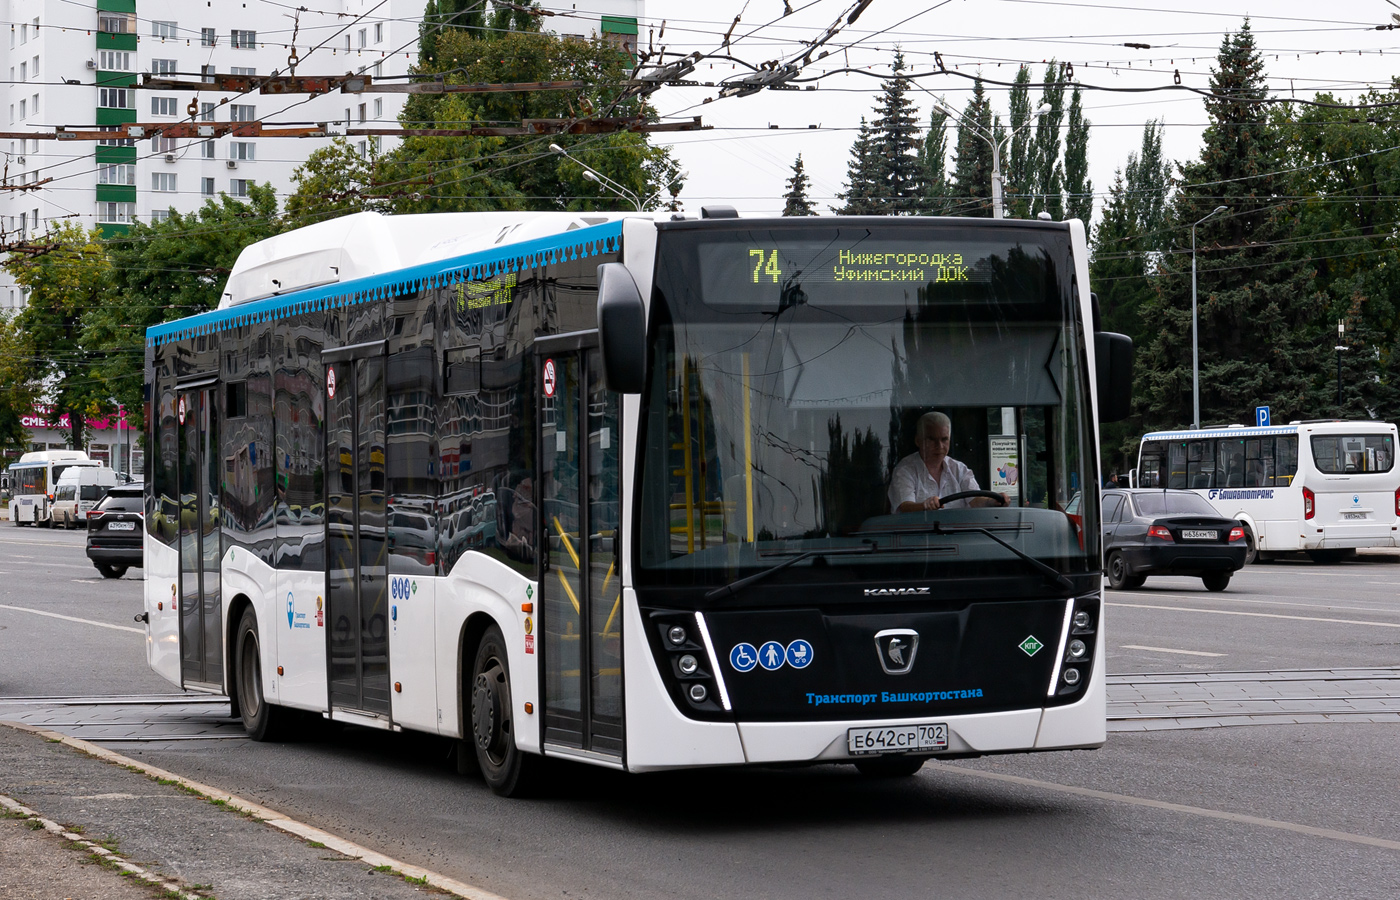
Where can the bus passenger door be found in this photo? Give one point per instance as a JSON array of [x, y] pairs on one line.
[[357, 629], [580, 590], [201, 601]]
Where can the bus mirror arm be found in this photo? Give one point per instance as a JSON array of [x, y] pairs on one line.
[[1113, 355], [622, 329]]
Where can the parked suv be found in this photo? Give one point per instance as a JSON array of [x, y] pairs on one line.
[[115, 530]]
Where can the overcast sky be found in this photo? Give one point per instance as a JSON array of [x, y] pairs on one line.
[[744, 162]]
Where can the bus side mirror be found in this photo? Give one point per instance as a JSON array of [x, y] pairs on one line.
[[1114, 356], [622, 330]]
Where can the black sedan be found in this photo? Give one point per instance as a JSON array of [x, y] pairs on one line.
[[116, 531], [1156, 532]]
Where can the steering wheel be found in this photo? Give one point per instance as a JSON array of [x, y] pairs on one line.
[[968, 495]]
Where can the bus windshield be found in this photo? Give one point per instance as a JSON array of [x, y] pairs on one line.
[[791, 367]]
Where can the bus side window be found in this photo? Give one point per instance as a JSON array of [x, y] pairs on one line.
[[1286, 456], [1176, 475], [1200, 465]]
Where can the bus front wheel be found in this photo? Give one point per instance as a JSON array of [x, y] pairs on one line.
[[508, 771], [262, 720]]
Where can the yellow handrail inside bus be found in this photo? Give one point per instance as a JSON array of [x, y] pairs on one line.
[[573, 598], [748, 454], [564, 539]]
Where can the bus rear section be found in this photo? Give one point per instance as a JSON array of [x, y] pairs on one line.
[[1351, 489]]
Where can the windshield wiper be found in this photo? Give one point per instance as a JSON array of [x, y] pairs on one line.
[[1048, 571], [738, 585]]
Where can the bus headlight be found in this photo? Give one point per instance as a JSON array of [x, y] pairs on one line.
[[676, 635], [1077, 651], [688, 664], [698, 693], [1071, 677]]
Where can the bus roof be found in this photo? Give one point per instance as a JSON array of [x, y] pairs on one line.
[[315, 267], [1334, 426], [40, 457]]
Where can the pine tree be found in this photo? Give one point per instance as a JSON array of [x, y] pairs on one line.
[[862, 185], [972, 159], [1079, 190], [1047, 172], [1018, 164], [933, 164], [885, 176], [1259, 313], [797, 203], [897, 145]]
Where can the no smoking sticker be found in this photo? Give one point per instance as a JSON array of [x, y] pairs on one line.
[[330, 383], [180, 410], [549, 378]]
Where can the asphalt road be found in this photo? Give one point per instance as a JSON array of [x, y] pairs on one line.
[[1259, 811]]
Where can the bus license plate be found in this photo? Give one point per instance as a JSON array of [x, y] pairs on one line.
[[1353, 515], [1200, 535], [121, 526], [897, 739]]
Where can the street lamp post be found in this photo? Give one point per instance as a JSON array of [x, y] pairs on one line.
[[1341, 329], [599, 178], [998, 208], [1195, 342]]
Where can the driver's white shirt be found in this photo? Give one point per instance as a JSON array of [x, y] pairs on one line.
[[911, 482]]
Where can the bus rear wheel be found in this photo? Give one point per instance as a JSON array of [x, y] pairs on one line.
[[262, 720], [889, 766], [507, 770]]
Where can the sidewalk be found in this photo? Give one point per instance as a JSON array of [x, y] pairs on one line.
[[198, 847]]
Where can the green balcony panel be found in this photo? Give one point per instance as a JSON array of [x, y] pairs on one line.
[[116, 193], [116, 116], [115, 41], [619, 25], [115, 79], [110, 155], [121, 6]]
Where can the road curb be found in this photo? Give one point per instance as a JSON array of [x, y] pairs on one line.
[[262, 813]]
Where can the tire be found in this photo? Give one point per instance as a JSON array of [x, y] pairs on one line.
[[110, 571], [507, 770], [1117, 567], [262, 720], [1216, 581], [1133, 582], [890, 766], [1251, 553]]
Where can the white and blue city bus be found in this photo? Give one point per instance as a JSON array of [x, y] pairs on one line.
[[612, 489]]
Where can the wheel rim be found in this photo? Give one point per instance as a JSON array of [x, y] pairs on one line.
[[1116, 569], [490, 720], [251, 680]]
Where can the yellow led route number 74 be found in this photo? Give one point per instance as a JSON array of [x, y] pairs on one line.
[[767, 264]]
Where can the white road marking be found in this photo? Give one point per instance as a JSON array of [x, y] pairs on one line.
[[1235, 612], [1202, 812], [51, 615], [1221, 598], [1169, 650]]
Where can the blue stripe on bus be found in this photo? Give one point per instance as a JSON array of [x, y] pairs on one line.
[[570, 245], [1233, 432]]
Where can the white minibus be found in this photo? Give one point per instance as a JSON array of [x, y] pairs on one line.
[[1323, 487], [34, 480]]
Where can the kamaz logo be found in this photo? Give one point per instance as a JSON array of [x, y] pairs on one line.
[[897, 592]]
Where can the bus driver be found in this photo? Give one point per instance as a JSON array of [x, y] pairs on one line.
[[922, 477]]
